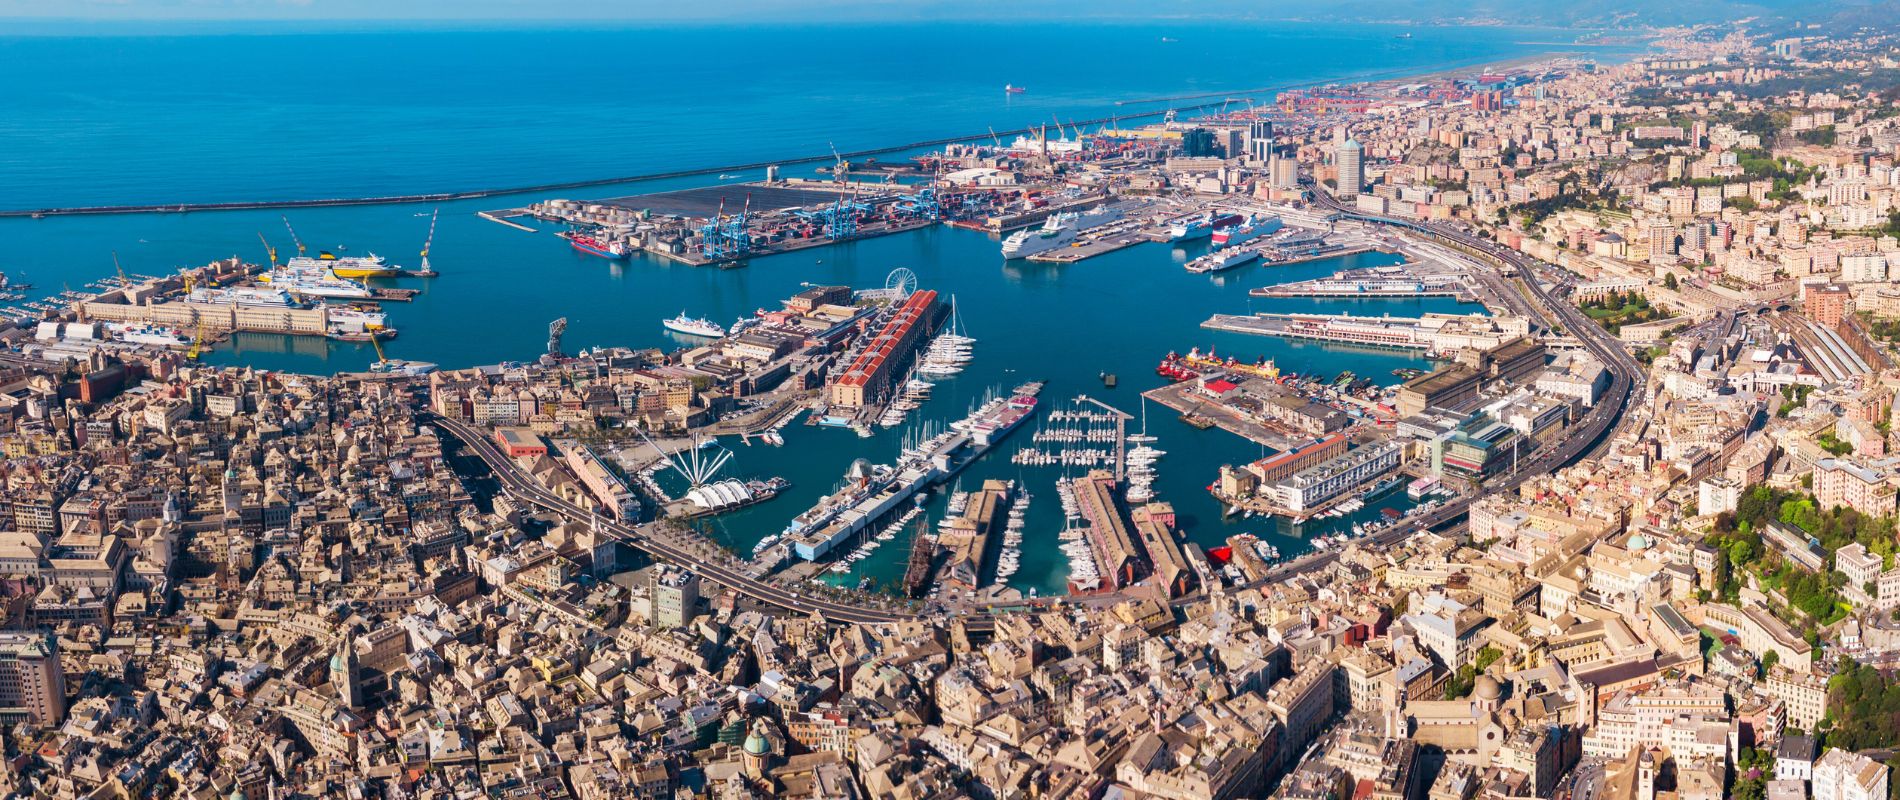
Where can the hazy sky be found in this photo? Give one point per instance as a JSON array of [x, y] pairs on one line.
[[831, 10], [735, 10]]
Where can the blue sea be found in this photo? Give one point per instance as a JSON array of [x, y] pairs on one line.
[[160, 115], [173, 115]]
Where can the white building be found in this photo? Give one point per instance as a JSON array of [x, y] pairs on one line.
[[1841, 775]]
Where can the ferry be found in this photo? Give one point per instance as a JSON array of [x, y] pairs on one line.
[[1219, 260], [1199, 227], [353, 321], [694, 327], [318, 282], [255, 296], [596, 247], [1057, 231], [369, 266], [150, 334], [1254, 228], [1013, 89]]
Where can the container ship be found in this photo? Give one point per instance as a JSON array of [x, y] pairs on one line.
[[871, 491], [1253, 228], [1220, 260], [694, 327], [369, 266], [594, 246], [1057, 231], [317, 282]]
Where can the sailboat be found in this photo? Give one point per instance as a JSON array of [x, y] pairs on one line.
[[1142, 437]]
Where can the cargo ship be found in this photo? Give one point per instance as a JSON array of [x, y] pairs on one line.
[[595, 246], [318, 282], [871, 491], [1057, 231], [1253, 228], [369, 266], [694, 327], [1220, 260]]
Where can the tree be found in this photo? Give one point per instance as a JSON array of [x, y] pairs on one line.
[[1669, 281], [1769, 660]]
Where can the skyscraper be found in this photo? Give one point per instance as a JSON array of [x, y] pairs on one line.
[[1260, 141], [32, 682], [1349, 160]]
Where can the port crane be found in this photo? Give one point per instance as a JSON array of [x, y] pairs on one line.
[[197, 341], [293, 234], [376, 342], [123, 283], [426, 269], [268, 249], [840, 170]]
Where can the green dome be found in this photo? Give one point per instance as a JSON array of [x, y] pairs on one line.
[[755, 742]]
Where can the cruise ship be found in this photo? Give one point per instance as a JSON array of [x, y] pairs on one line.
[[1222, 260], [369, 266], [1254, 228], [261, 296], [871, 491], [694, 327], [316, 282], [1057, 231]]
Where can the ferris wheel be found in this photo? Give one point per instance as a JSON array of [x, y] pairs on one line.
[[901, 282]]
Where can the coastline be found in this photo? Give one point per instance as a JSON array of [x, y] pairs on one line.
[[1395, 77]]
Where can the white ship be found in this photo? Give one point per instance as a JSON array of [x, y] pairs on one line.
[[694, 327], [1057, 231], [1253, 228], [150, 334], [244, 296], [1222, 260], [349, 320], [398, 366], [317, 282]]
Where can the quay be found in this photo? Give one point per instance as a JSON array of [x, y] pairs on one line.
[[1184, 398], [1396, 281], [1398, 333]]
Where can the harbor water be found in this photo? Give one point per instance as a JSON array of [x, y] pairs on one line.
[[298, 126]]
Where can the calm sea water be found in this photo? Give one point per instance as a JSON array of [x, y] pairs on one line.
[[161, 117], [226, 116]]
